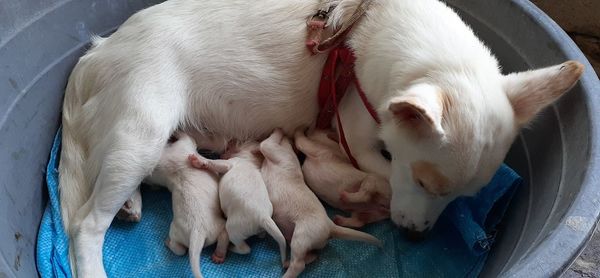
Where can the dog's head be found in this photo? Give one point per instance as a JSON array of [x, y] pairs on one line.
[[449, 133]]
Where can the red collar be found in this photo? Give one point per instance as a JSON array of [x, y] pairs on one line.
[[331, 91]]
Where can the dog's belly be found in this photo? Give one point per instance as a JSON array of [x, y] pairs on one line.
[[255, 75], [252, 115]]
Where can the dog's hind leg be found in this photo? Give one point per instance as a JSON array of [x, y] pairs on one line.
[[129, 152]]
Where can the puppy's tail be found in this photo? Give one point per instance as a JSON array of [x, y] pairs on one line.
[[350, 234], [195, 249], [271, 228]]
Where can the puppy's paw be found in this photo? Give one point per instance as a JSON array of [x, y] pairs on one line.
[[344, 197], [217, 258], [352, 222], [241, 249], [339, 220], [198, 163]]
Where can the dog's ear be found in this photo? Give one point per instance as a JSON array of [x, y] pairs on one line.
[[531, 91], [419, 109]]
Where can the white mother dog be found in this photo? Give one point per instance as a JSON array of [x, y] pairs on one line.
[[240, 68]]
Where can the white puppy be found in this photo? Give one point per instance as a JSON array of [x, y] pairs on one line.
[[244, 197], [131, 211], [240, 68], [332, 177], [197, 217], [297, 211]]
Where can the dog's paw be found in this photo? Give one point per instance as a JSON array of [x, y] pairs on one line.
[[130, 212]]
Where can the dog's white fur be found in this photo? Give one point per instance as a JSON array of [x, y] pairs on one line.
[[331, 176], [244, 197], [297, 211], [197, 217], [442, 100], [239, 69]]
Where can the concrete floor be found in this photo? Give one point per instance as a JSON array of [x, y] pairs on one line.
[[581, 20]]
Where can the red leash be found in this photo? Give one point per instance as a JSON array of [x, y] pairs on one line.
[[331, 91], [340, 59]]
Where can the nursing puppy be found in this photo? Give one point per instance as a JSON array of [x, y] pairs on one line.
[[197, 217], [244, 197], [239, 69], [297, 211], [131, 211], [331, 176]]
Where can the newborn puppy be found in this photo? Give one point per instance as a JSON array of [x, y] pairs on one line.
[[244, 197], [332, 177], [131, 211], [296, 210], [197, 218]]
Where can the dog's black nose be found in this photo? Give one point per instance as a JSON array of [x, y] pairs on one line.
[[414, 235]]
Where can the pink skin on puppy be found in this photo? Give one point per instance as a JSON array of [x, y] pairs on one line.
[[331, 176], [197, 217], [296, 209]]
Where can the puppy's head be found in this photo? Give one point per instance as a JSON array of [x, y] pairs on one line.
[[175, 154], [448, 133]]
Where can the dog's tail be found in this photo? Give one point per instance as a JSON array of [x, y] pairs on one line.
[[197, 239], [271, 228], [350, 234]]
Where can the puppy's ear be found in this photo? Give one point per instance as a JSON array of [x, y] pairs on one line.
[[531, 91], [419, 110]]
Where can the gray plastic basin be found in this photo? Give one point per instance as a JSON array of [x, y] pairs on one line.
[[550, 220]]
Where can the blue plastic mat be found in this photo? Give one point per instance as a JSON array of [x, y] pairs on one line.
[[456, 247]]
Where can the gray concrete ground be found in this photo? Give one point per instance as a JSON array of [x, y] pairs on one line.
[[581, 20]]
